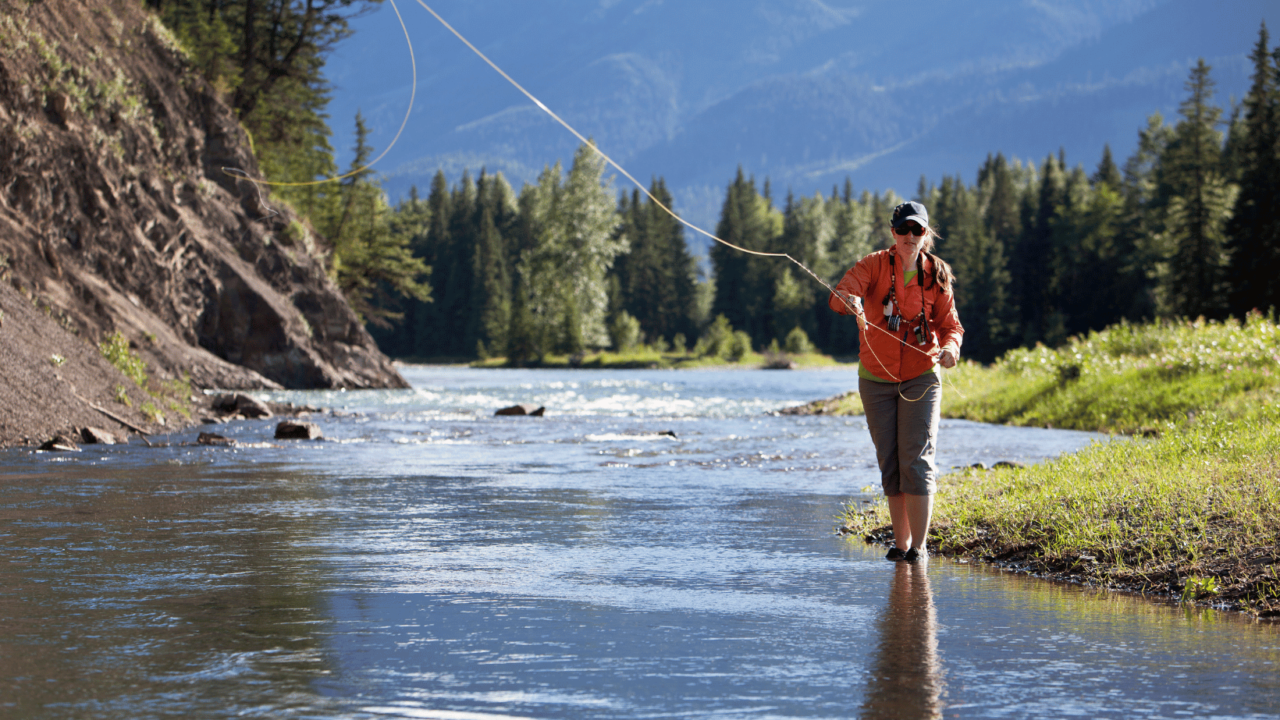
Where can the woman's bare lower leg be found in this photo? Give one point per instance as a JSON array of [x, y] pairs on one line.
[[901, 524], [918, 511]]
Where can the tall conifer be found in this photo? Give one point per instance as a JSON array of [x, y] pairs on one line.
[[1200, 199], [1254, 228]]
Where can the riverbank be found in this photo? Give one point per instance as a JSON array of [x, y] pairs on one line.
[[1188, 510]]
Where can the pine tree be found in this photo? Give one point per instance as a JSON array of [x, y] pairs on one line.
[[1110, 277], [851, 240], [569, 240], [1031, 263], [1200, 200], [745, 283], [371, 264], [1071, 285], [430, 334], [526, 338], [1108, 172], [490, 306], [410, 220], [1001, 190], [590, 248], [458, 266], [981, 274], [267, 59], [1254, 228], [656, 276]]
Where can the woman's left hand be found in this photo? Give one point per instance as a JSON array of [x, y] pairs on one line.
[[947, 359]]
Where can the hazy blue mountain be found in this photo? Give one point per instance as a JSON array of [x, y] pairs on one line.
[[805, 92]]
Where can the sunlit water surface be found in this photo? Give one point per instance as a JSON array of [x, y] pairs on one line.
[[430, 560]]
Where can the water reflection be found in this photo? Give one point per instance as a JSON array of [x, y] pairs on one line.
[[134, 585], [905, 679]]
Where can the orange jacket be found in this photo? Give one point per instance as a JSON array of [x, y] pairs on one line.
[[881, 352]]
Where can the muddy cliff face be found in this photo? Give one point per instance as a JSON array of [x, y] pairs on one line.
[[121, 209]]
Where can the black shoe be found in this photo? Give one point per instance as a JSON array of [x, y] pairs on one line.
[[895, 554], [916, 554]]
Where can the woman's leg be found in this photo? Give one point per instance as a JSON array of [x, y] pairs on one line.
[[901, 517], [918, 510], [919, 414], [880, 402]]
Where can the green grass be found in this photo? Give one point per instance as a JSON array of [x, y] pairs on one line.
[[1191, 512], [174, 393], [1127, 378], [115, 348]]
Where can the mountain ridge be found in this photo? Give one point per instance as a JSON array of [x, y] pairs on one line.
[[663, 86]]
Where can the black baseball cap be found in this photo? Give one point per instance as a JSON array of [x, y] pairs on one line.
[[910, 211]]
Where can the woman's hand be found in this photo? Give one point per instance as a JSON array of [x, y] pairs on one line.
[[947, 359], [853, 306]]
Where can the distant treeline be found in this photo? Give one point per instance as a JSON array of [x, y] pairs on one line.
[[1188, 225], [561, 268]]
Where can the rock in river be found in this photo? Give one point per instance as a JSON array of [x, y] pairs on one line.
[[60, 443], [214, 439], [293, 430], [97, 436], [241, 404], [522, 409]]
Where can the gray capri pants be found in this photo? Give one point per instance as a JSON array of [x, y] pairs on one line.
[[905, 433]]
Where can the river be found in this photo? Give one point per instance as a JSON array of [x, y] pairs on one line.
[[430, 560]]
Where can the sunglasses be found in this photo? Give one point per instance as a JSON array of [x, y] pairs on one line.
[[909, 229]]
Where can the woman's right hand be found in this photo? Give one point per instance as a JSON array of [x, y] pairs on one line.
[[852, 306]]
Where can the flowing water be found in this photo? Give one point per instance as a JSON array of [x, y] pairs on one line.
[[430, 560]]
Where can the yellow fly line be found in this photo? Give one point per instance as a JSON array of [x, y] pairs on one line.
[[542, 106], [413, 91], [655, 200]]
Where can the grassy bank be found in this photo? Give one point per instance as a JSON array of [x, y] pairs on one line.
[[1189, 510]]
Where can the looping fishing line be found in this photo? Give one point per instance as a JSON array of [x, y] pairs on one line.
[[666, 209], [240, 174], [413, 91]]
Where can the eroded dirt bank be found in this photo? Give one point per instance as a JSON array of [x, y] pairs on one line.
[[121, 210]]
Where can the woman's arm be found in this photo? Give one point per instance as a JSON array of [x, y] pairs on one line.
[[847, 298], [946, 322]]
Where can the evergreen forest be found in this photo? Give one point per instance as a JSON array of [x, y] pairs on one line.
[[1187, 226]]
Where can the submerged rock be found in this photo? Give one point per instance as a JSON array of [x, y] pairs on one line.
[[1009, 464], [214, 439], [60, 443], [293, 430], [522, 409]]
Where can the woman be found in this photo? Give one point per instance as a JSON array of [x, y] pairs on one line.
[[912, 329]]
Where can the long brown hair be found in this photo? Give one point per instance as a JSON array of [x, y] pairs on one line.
[[942, 275]]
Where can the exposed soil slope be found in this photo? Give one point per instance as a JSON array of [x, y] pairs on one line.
[[50, 381], [117, 213]]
